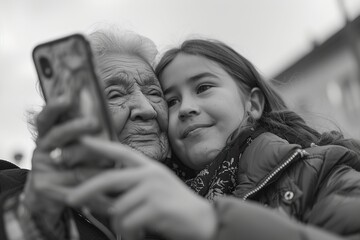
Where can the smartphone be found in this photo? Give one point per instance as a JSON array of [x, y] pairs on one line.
[[65, 68]]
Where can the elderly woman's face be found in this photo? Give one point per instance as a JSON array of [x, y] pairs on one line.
[[136, 103]]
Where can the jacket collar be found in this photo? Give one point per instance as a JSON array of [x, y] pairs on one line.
[[262, 157]]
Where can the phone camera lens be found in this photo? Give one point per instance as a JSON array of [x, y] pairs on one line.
[[46, 67]]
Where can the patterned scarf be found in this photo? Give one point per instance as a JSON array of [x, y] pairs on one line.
[[220, 177]]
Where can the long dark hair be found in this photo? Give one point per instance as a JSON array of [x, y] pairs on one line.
[[276, 117]]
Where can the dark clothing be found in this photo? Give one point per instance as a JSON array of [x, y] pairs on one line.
[[289, 193], [311, 193], [12, 181]]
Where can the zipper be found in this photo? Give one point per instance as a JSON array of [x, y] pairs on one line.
[[298, 152]]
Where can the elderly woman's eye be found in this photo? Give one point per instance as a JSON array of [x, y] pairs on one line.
[[111, 95], [156, 93]]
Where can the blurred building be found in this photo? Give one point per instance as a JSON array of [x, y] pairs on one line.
[[324, 85]]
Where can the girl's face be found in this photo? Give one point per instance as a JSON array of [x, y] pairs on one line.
[[205, 107]]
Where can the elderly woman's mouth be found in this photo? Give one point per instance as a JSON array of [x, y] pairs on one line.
[[141, 137]]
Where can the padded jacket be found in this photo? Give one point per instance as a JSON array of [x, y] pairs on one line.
[[12, 181], [311, 193]]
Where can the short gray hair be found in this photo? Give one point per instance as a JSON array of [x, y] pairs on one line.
[[113, 40]]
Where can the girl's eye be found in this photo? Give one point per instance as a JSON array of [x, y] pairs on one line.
[[171, 102], [203, 88]]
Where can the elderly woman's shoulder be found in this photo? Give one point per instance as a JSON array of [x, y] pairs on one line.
[[6, 165], [11, 176]]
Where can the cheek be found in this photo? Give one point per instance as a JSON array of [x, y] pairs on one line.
[[120, 115], [234, 117], [230, 115], [118, 105], [172, 130], [162, 115], [237, 108]]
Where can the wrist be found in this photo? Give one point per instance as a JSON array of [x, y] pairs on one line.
[[210, 222], [36, 204], [203, 224], [40, 225]]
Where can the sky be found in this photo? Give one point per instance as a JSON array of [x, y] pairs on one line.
[[271, 33]]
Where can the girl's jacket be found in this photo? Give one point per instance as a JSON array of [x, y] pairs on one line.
[[311, 193]]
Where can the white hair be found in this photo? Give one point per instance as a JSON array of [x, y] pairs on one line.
[[105, 41]]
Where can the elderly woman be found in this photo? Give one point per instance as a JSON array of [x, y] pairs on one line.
[[124, 62]]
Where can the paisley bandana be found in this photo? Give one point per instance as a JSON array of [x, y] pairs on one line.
[[220, 177]]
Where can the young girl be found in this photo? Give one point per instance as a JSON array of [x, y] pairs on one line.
[[264, 172]]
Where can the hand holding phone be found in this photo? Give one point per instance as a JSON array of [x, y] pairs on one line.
[[65, 69]]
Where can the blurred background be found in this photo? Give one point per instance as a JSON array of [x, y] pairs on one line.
[[310, 47]]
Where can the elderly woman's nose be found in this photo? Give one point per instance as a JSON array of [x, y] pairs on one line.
[[141, 108]]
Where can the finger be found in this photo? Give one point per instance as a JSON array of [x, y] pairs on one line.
[[109, 181], [116, 151], [57, 186], [57, 193], [130, 200], [45, 181], [41, 161], [99, 204], [131, 234], [133, 225], [61, 183], [76, 155], [50, 114], [79, 175], [119, 120], [69, 131]]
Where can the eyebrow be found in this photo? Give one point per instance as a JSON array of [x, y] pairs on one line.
[[117, 80], [148, 80], [125, 82], [194, 78]]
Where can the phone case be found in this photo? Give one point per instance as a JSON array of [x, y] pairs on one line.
[[65, 69]]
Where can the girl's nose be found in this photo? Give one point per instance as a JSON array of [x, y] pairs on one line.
[[188, 108]]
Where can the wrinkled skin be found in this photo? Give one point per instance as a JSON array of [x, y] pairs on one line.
[[136, 103], [139, 114]]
